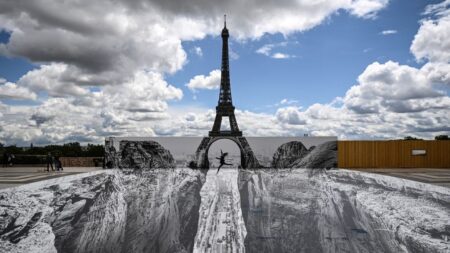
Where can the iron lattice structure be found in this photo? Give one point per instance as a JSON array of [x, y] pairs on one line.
[[225, 106]]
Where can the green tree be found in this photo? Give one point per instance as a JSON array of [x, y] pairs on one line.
[[410, 138], [442, 137], [94, 150]]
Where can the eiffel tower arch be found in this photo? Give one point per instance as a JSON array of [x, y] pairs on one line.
[[225, 108], [248, 158]]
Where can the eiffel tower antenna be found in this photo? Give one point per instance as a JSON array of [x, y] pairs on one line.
[[225, 20], [225, 106]]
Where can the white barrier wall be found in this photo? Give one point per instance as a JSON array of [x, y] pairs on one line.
[[183, 149]]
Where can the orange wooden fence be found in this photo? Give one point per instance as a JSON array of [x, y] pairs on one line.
[[81, 161], [393, 154]]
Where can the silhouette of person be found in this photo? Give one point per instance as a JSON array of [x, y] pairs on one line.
[[49, 160], [58, 164], [222, 160], [10, 159], [5, 159]]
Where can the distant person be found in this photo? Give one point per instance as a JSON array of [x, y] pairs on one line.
[[5, 159], [10, 159], [58, 164], [222, 160], [49, 160]]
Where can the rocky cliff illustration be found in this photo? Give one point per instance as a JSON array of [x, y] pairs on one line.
[[111, 211], [221, 227], [284, 210], [193, 152], [146, 204], [138, 155], [145, 154], [303, 210], [295, 155]]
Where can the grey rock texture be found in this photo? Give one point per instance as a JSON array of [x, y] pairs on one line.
[[221, 227], [304, 210], [93, 218], [285, 210], [112, 158], [322, 156], [144, 154], [163, 210], [295, 155], [288, 153], [114, 211]]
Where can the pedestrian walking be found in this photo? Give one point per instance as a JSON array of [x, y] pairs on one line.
[[49, 160], [11, 159], [5, 159], [58, 164]]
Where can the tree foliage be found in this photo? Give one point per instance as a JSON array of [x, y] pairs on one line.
[[411, 138], [442, 137], [72, 149]]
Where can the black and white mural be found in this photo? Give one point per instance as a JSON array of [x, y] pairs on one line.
[[154, 198], [179, 152]]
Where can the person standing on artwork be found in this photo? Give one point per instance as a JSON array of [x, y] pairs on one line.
[[10, 159], [58, 164], [5, 159], [222, 160], [49, 160]]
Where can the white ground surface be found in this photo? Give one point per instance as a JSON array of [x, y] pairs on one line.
[[415, 216]]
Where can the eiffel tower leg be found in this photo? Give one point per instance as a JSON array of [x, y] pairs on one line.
[[201, 158], [248, 158], [243, 160], [233, 123], [217, 123]]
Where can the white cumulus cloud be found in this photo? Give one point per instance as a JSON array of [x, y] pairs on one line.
[[125, 48], [10, 90], [291, 115], [367, 8], [209, 82], [432, 41]]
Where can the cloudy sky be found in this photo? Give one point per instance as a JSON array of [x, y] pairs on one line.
[[356, 69]]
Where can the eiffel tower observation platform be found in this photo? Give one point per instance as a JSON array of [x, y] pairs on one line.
[[224, 133]]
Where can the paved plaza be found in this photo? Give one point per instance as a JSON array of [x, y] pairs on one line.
[[14, 176], [431, 176]]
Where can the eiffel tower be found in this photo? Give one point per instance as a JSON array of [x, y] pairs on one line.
[[225, 108]]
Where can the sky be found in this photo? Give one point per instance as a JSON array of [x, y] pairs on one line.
[[355, 69]]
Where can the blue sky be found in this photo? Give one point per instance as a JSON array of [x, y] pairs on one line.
[[328, 59], [341, 47], [373, 61]]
